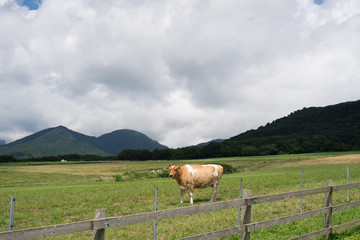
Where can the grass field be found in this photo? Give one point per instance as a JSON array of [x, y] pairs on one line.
[[50, 194]]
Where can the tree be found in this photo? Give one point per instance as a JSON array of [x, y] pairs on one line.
[[212, 150], [161, 154]]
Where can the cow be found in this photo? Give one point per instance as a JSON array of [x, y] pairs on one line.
[[196, 176]]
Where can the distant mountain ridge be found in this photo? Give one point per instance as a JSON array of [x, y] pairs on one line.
[[314, 129], [61, 140], [208, 142], [341, 121], [310, 130], [119, 140]]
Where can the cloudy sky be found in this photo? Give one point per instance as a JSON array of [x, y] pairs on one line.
[[181, 72]]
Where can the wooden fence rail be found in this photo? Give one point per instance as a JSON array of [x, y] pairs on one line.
[[248, 227]]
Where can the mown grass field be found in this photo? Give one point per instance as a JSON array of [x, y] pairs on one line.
[[60, 193]]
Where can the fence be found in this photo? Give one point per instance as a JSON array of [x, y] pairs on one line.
[[12, 205], [100, 223]]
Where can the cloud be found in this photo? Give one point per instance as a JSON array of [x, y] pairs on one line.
[[181, 72]]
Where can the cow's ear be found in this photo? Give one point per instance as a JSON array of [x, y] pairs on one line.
[[177, 168], [166, 169]]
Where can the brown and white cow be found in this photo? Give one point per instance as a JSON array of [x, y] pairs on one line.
[[196, 176]]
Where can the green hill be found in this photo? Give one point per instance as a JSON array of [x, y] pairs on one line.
[[314, 129], [310, 130], [341, 121], [119, 140], [61, 140]]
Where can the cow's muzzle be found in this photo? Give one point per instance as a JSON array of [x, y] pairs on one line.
[[171, 175]]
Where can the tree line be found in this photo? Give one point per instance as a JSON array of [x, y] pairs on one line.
[[257, 146], [310, 130], [250, 147]]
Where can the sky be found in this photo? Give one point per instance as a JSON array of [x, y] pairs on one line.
[[181, 72]]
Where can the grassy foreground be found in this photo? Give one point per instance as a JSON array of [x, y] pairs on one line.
[[54, 194]]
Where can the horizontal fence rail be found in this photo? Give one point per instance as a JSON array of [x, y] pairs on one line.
[[283, 220], [103, 223]]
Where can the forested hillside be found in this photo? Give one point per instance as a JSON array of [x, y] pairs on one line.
[[51, 142], [119, 140], [63, 141], [314, 129]]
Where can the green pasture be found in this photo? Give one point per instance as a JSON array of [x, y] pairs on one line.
[[61, 193]]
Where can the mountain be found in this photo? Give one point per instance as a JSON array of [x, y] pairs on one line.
[[51, 142], [341, 121], [2, 142], [119, 140], [61, 140], [207, 143], [314, 129], [309, 130]]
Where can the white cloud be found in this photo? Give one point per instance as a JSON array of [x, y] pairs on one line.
[[181, 72]]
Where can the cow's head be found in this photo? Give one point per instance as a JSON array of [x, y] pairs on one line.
[[172, 170]]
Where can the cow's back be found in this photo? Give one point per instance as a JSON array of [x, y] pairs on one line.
[[206, 175]]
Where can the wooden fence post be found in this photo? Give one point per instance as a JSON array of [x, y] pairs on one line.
[[240, 196], [155, 222], [11, 215], [99, 234], [328, 203], [247, 214]]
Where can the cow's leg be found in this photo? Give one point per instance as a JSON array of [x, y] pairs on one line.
[[191, 189], [191, 196], [182, 196], [213, 197], [213, 194]]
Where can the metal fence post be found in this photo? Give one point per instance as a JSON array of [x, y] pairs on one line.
[[247, 214], [301, 188], [156, 200], [11, 215], [240, 195], [347, 180], [99, 234]]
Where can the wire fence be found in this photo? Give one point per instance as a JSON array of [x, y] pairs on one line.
[[102, 193], [100, 223], [42, 200]]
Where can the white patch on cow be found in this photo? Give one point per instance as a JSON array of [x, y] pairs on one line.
[[215, 173], [191, 170]]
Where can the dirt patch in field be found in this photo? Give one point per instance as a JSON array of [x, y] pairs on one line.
[[345, 159]]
